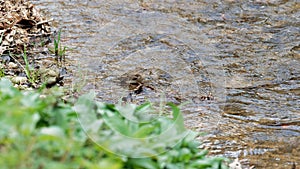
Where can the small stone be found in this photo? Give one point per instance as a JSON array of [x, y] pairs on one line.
[[52, 73], [12, 65], [42, 96], [62, 71], [235, 164], [51, 80], [22, 87], [216, 142], [5, 58], [19, 80]]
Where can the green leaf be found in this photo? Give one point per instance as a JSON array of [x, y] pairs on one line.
[[30, 99], [116, 123], [52, 131], [144, 131], [127, 111], [201, 154], [7, 89], [143, 163], [109, 164], [185, 155], [86, 109], [177, 117], [28, 126]]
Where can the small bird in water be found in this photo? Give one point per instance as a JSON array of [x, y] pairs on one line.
[[136, 84]]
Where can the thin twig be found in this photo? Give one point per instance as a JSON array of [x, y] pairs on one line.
[[16, 61], [45, 21], [41, 34]]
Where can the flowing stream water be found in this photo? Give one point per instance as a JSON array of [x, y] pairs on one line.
[[237, 63]]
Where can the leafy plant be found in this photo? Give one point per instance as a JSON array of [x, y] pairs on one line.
[[148, 141], [27, 69], [31, 74], [58, 50], [2, 72], [39, 130]]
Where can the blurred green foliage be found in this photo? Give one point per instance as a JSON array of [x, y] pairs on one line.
[[41, 131]]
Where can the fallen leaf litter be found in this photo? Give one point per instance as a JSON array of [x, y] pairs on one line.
[[22, 25]]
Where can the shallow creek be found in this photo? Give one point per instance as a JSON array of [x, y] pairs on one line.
[[237, 63]]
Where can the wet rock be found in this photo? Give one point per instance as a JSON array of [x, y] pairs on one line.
[[24, 87], [12, 65], [216, 142], [50, 76], [235, 164], [5, 59], [51, 81], [1, 66], [52, 73], [63, 71], [19, 80]]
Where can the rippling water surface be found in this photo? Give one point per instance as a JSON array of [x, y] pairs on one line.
[[236, 62]]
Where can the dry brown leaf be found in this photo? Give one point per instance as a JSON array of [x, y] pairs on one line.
[[20, 20]]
